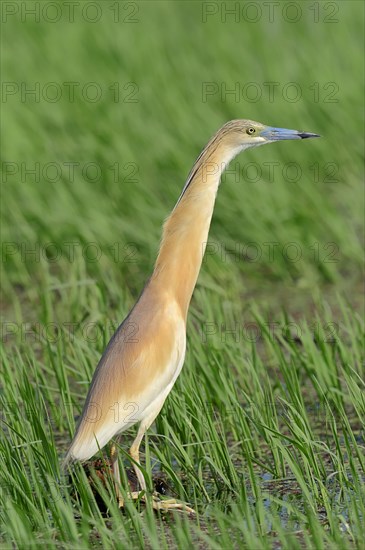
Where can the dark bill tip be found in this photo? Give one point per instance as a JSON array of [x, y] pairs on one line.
[[305, 135]]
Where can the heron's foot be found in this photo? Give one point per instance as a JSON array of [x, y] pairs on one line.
[[157, 503], [169, 504], [134, 495]]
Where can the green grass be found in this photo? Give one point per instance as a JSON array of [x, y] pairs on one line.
[[264, 431]]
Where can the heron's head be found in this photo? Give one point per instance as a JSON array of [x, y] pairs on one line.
[[248, 133]]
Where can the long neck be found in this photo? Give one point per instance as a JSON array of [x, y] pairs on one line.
[[185, 232]]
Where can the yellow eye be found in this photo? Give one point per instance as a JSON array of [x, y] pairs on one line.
[[250, 131]]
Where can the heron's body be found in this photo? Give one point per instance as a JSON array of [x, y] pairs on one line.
[[145, 356], [135, 374]]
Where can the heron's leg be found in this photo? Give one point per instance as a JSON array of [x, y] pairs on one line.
[[134, 450], [157, 503], [116, 476], [134, 453], [116, 473]]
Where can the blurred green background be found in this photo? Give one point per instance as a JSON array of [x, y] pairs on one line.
[[131, 103]]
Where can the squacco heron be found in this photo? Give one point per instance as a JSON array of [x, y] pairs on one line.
[[135, 375]]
